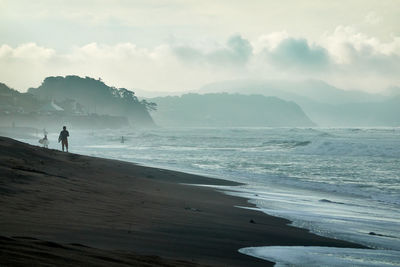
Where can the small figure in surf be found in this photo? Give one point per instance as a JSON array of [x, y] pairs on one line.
[[63, 138], [122, 140]]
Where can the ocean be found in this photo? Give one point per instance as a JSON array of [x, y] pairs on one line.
[[342, 183]]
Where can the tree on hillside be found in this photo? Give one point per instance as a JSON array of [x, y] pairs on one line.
[[150, 106], [97, 97], [12, 100]]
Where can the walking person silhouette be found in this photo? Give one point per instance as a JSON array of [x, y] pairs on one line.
[[63, 138]]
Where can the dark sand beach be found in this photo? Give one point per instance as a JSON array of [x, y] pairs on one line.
[[64, 209]]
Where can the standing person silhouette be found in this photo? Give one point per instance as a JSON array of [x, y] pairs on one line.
[[63, 138]]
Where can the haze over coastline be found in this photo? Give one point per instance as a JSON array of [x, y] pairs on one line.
[[200, 133]]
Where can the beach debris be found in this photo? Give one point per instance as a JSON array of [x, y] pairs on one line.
[[252, 221]]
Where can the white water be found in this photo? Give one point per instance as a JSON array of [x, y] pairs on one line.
[[323, 256], [341, 183]]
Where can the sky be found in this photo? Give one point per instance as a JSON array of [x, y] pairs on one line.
[[181, 45]]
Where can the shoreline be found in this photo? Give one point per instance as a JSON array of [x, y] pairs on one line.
[[110, 205]]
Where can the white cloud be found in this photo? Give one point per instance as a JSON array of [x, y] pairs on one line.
[[269, 41], [345, 57], [29, 51], [122, 65], [236, 52], [345, 41], [298, 53]]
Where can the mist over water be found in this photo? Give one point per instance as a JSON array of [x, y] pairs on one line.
[[337, 182]]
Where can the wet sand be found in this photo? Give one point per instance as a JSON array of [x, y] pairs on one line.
[[66, 209]]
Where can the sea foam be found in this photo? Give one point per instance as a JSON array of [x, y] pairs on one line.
[[324, 256]]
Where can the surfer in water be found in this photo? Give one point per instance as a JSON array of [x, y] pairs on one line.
[[63, 138]]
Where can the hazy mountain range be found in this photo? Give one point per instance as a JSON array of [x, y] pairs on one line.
[[228, 110], [225, 104], [326, 105]]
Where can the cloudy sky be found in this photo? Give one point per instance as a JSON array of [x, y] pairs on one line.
[[178, 45]]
